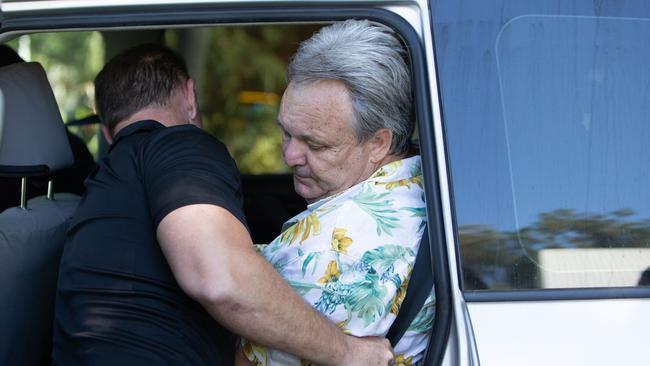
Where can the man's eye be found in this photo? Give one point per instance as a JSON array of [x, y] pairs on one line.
[[315, 147]]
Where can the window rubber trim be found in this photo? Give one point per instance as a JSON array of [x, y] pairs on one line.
[[558, 294], [211, 14]]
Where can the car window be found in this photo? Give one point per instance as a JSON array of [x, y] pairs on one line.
[[240, 76], [546, 107], [71, 60], [239, 73]]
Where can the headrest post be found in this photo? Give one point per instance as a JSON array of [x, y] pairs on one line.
[[23, 193], [50, 190]]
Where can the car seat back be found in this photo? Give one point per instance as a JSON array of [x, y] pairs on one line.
[[33, 143]]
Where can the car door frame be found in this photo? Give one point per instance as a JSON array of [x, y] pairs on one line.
[[30, 17]]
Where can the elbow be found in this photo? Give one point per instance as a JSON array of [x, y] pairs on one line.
[[215, 293]]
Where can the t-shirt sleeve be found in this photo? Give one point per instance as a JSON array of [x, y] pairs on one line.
[[183, 166]]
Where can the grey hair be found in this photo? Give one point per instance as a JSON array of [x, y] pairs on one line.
[[370, 60]]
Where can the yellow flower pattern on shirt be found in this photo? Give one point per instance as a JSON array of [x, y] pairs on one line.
[[401, 360], [332, 273], [340, 242], [303, 228], [399, 297], [355, 254], [256, 354]]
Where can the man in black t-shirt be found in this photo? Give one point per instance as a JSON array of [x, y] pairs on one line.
[[159, 265]]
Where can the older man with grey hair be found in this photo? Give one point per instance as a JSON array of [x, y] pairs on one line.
[[346, 120]]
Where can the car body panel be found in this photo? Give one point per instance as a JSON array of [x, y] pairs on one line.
[[570, 327], [573, 332]]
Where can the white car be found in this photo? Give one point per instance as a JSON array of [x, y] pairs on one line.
[[534, 130]]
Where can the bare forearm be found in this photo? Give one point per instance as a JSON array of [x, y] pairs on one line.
[[214, 262], [264, 309]]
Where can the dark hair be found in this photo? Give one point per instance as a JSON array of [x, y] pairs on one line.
[[8, 56], [141, 76]]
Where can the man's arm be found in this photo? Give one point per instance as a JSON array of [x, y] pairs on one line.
[[212, 257]]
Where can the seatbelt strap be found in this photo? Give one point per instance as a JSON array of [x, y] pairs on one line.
[[419, 288]]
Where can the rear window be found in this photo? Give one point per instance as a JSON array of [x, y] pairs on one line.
[[547, 110]]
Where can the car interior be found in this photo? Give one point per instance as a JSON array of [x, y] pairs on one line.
[[50, 140], [33, 232], [239, 73], [238, 94]]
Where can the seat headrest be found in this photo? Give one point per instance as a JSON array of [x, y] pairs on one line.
[[33, 139]]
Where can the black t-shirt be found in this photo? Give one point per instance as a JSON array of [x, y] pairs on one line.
[[117, 300]]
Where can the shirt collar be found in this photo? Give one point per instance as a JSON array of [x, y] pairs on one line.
[[400, 169], [135, 127]]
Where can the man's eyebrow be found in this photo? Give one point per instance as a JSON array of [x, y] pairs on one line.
[[312, 140], [306, 138]]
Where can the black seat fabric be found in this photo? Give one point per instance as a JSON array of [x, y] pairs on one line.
[[33, 143], [30, 249], [269, 201]]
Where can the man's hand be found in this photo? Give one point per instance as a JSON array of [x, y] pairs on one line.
[[369, 351], [212, 257]]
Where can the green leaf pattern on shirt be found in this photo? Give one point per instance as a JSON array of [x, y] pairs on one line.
[[379, 209], [350, 256]]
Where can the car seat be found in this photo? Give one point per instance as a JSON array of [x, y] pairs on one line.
[[33, 143]]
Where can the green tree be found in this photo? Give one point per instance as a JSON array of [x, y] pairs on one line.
[[244, 78], [488, 252]]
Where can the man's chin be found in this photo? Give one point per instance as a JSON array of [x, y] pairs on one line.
[[305, 191]]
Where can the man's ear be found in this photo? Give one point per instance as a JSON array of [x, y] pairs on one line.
[[107, 134], [380, 144], [190, 101]]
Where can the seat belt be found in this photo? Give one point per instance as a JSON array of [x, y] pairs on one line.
[[419, 288]]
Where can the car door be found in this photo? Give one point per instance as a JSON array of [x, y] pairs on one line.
[[410, 19], [546, 110]]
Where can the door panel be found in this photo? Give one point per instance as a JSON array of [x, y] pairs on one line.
[[546, 110], [584, 332]]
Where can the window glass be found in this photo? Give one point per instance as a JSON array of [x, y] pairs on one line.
[[239, 73], [547, 110], [71, 60]]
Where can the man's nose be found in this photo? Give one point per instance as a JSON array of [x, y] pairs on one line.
[[293, 153]]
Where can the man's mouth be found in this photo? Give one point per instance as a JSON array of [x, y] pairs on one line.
[[297, 175]]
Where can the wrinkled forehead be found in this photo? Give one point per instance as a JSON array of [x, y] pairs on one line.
[[324, 100], [322, 105]]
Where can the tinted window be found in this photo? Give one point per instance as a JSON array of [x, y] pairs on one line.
[[547, 109]]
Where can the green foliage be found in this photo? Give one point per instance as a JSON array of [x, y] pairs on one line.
[[244, 77], [71, 60], [488, 250], [241, 82]]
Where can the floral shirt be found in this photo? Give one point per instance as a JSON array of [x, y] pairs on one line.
[[350, 256]]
